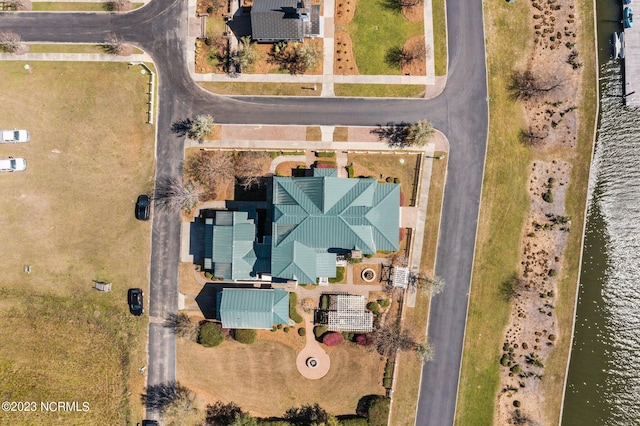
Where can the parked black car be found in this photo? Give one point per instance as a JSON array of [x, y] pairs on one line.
[[136, 299], [143, 207]]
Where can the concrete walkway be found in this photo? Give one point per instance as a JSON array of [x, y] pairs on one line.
[[312, 349], [328, 47], [283, 159]]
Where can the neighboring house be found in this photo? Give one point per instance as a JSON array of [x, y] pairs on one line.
[[252, 308], [231, 251], [283, 20], [316, 217], [348, 313]]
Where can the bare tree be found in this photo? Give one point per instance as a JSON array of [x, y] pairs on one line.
[[251, 167], [512, 287], [410, 3], [173, 194], [118, 5], [296, 57], [200, 127], [19, 4], [114, 45], [182, 325], [425, 350], [208, 168], [427, 285], [11, 42], [420, 133], [534, 137], [391, 338], [248, 54], [525, 85], [175, 402]]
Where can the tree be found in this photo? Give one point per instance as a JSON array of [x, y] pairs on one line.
[[182, 325], [115, 45], [534, 137], [200, 127], [296, 57], [248, 54], [175, 402], [220, 414], [209, 168], [119, 5], [173, 194], [420, 133], [425, 351], [251, 167], [427, 285], [527, 86], [11, 42], [310, 415], [391, 338], [210, 335], [18, 4], [378, 411], [512, 287], [244, 419]]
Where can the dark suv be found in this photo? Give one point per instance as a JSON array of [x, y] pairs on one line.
[[136, 299], [143, 207]]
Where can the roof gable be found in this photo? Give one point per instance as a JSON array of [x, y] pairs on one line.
[[253, 308]]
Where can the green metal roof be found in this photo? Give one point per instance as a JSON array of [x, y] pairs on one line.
[[315, 214], [253, 308], [231, 252]]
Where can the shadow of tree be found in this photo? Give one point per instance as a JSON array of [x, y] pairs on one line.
[[395, 134], [182, 127], [393, 5], [158, 397]]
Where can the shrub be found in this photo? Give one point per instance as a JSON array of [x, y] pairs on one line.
[[319, 330], [302, 332], [325, 165], [210, 335], [516, 403], [357, 421], [208, 275], [374, 307], [286, 329], [363, 340], [384, 303], [333, 339], [324, 302], [396, 180], [348, 336], [273, 328], [326, 154], [548, 196], [386, 382], [504, 361], [389, 179], [279, 326], [553, 272], [350, 171], [244, 335], [378, 412], [339, 275], [293, 308]]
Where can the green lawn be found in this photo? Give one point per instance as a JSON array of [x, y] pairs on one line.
[[376, 29], [280, 89], [439, 36], [380, 90], [70, 217]]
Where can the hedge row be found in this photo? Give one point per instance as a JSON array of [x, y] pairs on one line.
[[293, 308]]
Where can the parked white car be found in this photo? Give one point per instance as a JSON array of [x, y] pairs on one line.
[[12, 136], [12, 164]]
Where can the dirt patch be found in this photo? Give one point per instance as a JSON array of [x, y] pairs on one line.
[[532, 333], [285, 169], [414, 13], [344, 61], [344, 12], [417, 47]]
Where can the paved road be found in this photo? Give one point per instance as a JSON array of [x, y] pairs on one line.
[[160, 28]]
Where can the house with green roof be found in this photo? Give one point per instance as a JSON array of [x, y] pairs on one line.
[[316, 217], [231, 251], [252, 308]]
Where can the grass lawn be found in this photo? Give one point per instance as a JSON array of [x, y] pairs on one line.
[[65, 48], [440, 54], [504, 207], [280, 89], [380, 90], [71, 219], [341, 134], [407, 385], [314, 134], [263, 377], [388, 165], [374, 30], [60, 6]]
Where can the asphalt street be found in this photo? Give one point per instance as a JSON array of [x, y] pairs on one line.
[[460, 112]]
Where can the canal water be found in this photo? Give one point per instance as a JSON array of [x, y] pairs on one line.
[[603, 385]]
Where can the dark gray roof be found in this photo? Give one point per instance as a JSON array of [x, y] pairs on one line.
[[275, 20]]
